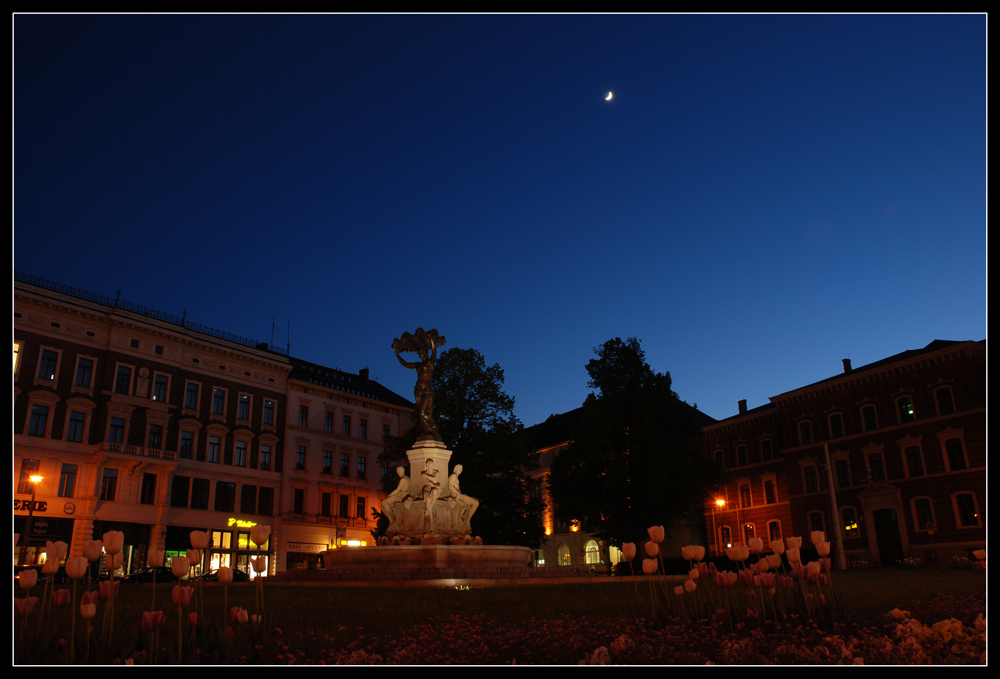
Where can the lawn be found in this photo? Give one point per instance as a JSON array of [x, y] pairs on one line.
[[540, 623]]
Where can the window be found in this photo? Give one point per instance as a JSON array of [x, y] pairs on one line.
[[966, 510], [362, 462], [218, 401], [147, 495], [843, 471], [328, 422], [303, 416], [160, 388], [876, 467], [741, 456], [29, 468], [243, 407], [945, 403], [850, 517], [116, 430], [347, 425], [225, 496], [923, 514], [84, 372], [914, 461], [191, 396], [811, 478], [39, 420], [199, 493], [179, 488], [383, 468], [955, 453], [774, 531], [749, 532], [836, 425], [186, 448], [745, 495], [155, 439], [345, 464], [766, 453], [360, 508], [904, 406], [816, 521], [805, 433], [214, 447], [109, 483], [868, 418], [564, 556], [248, 499], [300, 458], [67, 480], [265, 505], [47, 363], [591, 552], [327, 462], [725, 537], [770, 496], [265, 457], [268, 412], [325, 504], [385, 431], [298, 501], [240, 454], [343, 506], [363, 429], [123, 379]]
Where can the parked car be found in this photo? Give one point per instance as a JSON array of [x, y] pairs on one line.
[[163, 574], [59, 577], [238, 576]]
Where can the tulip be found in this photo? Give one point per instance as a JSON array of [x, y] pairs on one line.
[[56, 550], [774, 560], [794, 543], [154, 557], [88, 610], [656, 533], [239, 615], [679, 590], [818, 536], [694, 574], [180, 566], [793, 555], [699, 553], [688, 552], [725, 579], [114, 541], [826, 564], [60, 598], [762, 566], [193, 556], [153, 620], [225, 575], [766, 580], [105, 589], [980, 554], [50, 567], [652, 549], [260, 533], [756, 545], [90, 597], [193, 619], [199, 539], [114, 561], [746, 576], [27, 578], [92, 549], [649, 566], [259, 563], [823, 548], [689, 585], [76, 567], [24, 607], [628, 551], [813, 568], [778, 547], [182, 595]]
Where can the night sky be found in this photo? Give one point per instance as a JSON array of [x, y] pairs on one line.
[[763, 195]]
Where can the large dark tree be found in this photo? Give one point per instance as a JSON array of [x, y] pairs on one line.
[[476, 421], [635, 460]]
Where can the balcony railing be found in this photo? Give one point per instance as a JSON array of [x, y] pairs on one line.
[[136, 451]]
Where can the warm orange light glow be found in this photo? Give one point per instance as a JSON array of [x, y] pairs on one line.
[[574, 526], [35, 479], [720, 502]]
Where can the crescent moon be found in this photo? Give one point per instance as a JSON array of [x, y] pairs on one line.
[[608, 98]]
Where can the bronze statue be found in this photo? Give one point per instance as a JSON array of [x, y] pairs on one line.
[[425, 345]]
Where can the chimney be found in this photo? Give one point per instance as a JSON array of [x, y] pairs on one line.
[[743, 406], [847, 365], [364, 373]]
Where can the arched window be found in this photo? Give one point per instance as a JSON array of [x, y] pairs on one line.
[[725, 537], [850, 519], [564, 556], [591, 552], [816, 521], [923, 514], [773, 531], [966, 510]]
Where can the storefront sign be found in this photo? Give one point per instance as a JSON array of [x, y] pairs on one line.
[[241, 523], [30, 505], [306, 547]]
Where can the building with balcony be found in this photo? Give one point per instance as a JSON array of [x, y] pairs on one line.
[[889, 459]]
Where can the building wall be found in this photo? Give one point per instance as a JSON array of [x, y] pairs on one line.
[[891, 509]]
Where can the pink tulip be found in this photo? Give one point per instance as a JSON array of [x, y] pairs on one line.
[[652, 549], [767, 580], [774, 560], [182, 595], [260, 533], [813, 568], [725, 579], [154, 557], [114, 541], [61, 598], [656, 533], [259, 563], [687, 553], [24, 607], [628, 551], [114, 561], [92, 549], [679, 590], [88, 610], [746, 576], [92, 597], [980, 554], [76, 567], [193, 619], [649, 566], [823, 548], [793, 555], [699, 553], [193, 556], [27, 578], [793, 543], [153, 620], [826, 564], [689, 585], [694, 574], [50, 567], [756, 545], [238, 615], [105, 588], [199, 539], [817, 537], [778, 546], [180, 566], [225, 575]]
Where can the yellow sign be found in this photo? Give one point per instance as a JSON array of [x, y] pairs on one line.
[[241, 523]]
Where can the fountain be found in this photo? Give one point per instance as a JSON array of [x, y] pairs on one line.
[[430, 518]]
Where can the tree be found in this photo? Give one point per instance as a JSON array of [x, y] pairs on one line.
[[635, 460], [475, 419]]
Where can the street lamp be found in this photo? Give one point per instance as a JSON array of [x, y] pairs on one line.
[[719, 503], [26, 538]]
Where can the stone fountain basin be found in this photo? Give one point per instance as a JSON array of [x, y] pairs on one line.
[[474, 557]]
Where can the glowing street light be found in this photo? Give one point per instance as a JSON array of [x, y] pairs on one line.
[[25, 539]]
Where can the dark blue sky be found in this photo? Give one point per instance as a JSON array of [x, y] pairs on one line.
[[762, 197]]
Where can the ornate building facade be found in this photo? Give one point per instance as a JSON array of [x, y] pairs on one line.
[[889, 459]]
